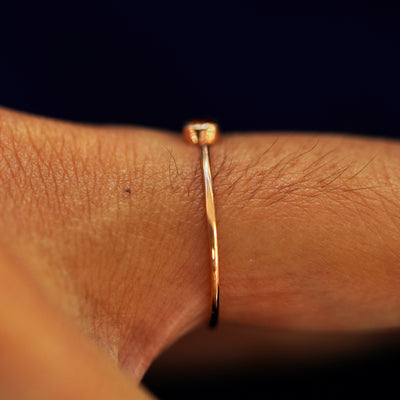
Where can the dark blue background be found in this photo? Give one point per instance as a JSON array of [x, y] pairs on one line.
[[249, 64]]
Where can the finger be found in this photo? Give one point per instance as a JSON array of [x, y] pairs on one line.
[[307, 224], [43, 356]]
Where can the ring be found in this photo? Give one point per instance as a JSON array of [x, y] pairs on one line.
[[204, 134]]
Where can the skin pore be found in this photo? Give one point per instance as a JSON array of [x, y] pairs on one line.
[[107, 224]]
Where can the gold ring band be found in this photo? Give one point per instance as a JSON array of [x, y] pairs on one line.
[[204, 134]]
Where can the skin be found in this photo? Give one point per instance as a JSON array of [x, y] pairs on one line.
[[105, 230]]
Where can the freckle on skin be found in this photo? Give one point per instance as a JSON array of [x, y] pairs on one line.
[[128, 191]]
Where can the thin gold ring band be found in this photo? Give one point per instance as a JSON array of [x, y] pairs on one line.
[[204, 134]]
